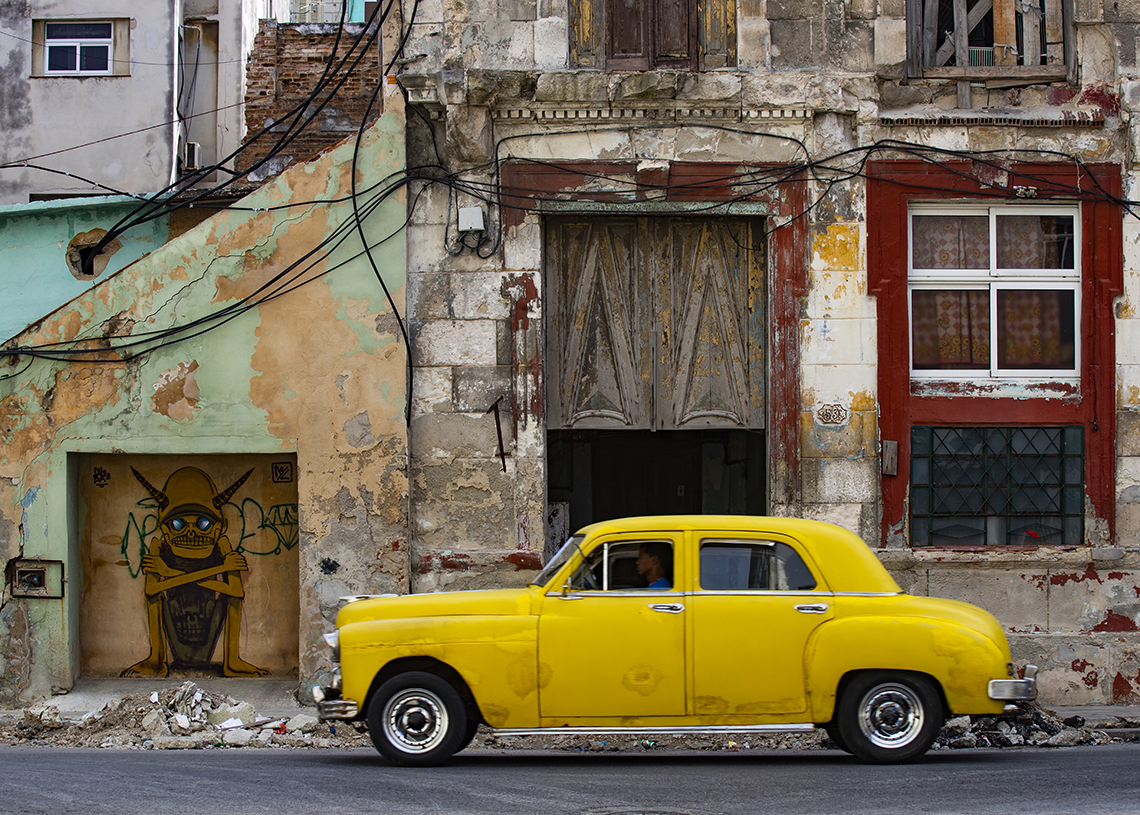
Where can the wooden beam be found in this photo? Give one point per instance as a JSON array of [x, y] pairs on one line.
[[1054, 32], [962, 51], [1030, 33], [1037, 73], [1005, 33]]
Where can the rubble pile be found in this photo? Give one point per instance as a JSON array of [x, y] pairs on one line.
[[185, 717], [1030, 725]]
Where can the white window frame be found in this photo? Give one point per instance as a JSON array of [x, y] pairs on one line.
[[994, 279], [117, 47], [77, 44]]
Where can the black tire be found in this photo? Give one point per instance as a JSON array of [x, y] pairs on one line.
[[417, 719], [832, 732], [889, 717], [469, 734]]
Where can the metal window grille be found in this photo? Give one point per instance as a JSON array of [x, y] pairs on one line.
[[978, 486]]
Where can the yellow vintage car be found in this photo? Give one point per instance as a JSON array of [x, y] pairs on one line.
[[674, 624]]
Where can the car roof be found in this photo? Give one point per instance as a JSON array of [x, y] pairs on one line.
[[847, 562]]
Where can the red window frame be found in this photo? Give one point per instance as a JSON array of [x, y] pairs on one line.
[[891, 187]]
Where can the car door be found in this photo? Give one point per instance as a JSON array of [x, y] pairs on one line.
[[608, 644], [755, 605]]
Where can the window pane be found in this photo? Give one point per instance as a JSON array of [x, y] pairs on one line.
[[950, 330], [951, 242], [1036, 329], [735, 567], [94, 58], [1035, 242], [61, 58], [79, 31], [790, 572]]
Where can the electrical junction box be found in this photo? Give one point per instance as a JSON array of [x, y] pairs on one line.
[[471, 219], [29, 577]]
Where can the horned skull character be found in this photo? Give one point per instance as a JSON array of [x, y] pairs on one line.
[[193, 586]]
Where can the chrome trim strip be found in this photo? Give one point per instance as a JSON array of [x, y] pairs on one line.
[[718, 593], [568, 730]]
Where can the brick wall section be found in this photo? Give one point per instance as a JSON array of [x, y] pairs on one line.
[[287, 61]]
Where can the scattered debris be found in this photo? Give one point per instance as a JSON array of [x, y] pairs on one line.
[[189, 717], [182, 718]]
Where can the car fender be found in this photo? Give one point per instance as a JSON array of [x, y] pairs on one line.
[[958, 657], [494, 655]]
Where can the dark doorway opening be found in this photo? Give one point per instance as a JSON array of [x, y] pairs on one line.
[[597, 475]]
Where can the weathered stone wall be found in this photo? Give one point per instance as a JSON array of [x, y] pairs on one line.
[[494, 83]]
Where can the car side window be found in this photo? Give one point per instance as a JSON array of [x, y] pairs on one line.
[[626, 565], [753, 566]]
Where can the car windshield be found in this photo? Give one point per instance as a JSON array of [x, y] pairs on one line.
[[568, 550]]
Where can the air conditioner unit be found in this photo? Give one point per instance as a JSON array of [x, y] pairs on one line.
[[193, 159]]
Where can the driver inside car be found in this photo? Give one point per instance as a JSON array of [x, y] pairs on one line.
[[655, 564]]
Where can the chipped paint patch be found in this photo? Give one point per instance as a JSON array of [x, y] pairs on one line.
[[176, 392], [1061, 579], [836, 247], [1116, 623]]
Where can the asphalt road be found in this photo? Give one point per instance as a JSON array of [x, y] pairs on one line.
[[1086, 780]]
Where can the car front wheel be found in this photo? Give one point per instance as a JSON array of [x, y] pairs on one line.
[[417, 720], [889, 718]]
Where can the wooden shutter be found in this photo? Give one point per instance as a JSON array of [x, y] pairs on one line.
[[655, 323]]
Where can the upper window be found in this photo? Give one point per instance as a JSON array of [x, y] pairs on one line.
[[994, 292], [963, 39], [80, 48], [642, 35], [760, 566]]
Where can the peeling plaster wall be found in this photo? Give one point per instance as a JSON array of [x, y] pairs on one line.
[[494, 83], [318, 372]]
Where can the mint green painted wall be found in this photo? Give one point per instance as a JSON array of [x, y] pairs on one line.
[[34, 277]]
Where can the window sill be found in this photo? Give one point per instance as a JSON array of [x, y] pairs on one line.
[[1028, 389]]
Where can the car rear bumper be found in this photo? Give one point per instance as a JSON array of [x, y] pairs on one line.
[[1015, 690]]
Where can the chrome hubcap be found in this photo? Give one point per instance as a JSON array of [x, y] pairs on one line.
[[415, 720], [890, 715]]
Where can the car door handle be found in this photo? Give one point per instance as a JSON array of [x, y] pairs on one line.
[[811, 608], [667, 608]]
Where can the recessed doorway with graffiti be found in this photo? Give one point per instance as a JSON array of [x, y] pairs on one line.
[[190, 565]]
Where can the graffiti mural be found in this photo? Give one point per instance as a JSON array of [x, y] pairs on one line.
[[204, 574], [193, 585]]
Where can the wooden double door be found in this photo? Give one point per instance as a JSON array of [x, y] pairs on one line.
[[655, 323]]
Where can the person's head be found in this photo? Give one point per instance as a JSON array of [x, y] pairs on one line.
[[655, 560]]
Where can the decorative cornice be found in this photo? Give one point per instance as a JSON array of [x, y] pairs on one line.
[[656, 111], [1004, 118]]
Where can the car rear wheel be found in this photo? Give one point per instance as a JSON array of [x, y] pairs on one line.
[[889, 717], [417, 719]]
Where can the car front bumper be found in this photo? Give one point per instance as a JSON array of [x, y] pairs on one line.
[[330, 705], [1015, 690]]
